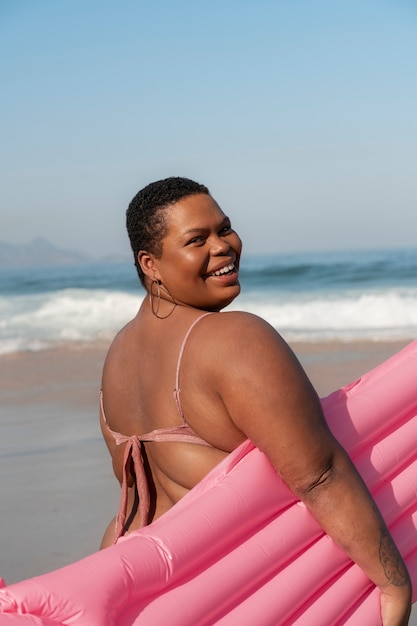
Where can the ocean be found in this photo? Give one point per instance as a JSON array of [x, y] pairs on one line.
[[316, 297]]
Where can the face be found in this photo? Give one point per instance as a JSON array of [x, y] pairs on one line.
[[200, 255]]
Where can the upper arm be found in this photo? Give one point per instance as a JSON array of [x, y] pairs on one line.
[[116, 451], [111, 408], [269, 398]]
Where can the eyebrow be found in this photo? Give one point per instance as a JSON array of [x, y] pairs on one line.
[[195, 230]]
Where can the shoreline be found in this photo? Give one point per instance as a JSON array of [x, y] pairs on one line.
[[58, 492], [334, 364], [25, 376]]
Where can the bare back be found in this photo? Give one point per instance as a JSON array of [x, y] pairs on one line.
[[138, 383]]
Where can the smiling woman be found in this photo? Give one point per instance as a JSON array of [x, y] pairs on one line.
[[199, 261], [234, 378]]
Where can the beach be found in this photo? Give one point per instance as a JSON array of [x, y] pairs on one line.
[[57, 488]]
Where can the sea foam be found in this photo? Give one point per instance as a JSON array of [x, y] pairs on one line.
[[307, 297], [40, 321]]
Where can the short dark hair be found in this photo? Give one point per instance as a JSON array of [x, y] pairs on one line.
[[146, 219]]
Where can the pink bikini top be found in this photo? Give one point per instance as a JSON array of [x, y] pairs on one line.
[[133, 451]]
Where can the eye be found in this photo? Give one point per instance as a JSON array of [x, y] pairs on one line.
[[226, 230], [198, 240]]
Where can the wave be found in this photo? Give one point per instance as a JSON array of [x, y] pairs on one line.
[[321, 271], [42, 320], [288, 273], [349, 316]]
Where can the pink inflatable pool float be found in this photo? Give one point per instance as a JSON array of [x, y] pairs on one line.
[[239, 549]]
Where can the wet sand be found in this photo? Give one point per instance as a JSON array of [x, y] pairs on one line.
[[57, 490]]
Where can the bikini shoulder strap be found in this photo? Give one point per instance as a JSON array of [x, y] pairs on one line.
[[177, 375]]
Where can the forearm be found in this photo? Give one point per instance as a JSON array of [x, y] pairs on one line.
[[342, 505]]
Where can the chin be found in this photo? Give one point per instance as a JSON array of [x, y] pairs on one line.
[[223, 303]]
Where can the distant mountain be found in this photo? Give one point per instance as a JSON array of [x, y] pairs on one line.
[[38, 252]]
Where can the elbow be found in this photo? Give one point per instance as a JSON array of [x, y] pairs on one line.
[[314, 482], [323, 479]]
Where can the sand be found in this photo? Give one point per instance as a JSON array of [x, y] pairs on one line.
[[57, 490]]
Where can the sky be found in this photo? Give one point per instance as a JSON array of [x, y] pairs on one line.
[[299, 115]]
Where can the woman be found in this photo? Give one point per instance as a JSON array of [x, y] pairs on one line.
[[234, 379]]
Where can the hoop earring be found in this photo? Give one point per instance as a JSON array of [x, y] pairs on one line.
[[155, 311]]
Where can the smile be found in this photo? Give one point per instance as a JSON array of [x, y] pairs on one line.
[[224, 270]]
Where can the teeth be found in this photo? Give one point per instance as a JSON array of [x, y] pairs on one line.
[[224, 270]]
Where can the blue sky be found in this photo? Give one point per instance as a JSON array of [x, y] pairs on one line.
[[299, 115]]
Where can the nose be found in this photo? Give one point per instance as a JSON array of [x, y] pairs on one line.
[[219, 245]]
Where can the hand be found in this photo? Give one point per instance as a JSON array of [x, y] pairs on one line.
[[396, 607]]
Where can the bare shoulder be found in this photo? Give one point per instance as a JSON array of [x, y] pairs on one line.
[[118, 347], [237, 324], [240, 352], [242, 335]]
